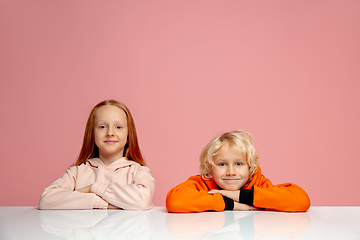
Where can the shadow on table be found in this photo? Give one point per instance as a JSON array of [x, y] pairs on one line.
[[237, 225], [97, 224]]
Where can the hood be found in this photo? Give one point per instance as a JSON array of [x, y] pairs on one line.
[[120, 163], [258, 179]]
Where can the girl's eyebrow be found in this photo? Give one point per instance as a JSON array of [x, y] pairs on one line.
[[105, 121], [99, 122], [119, 122]]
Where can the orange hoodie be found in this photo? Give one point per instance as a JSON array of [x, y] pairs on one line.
[[192, 196]]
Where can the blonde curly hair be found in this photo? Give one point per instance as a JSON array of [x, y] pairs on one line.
[[239, 139]]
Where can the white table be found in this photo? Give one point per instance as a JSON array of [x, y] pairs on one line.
[[318, 223]]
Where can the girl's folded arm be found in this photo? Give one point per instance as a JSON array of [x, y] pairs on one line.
[[135, 196], [61, 194]]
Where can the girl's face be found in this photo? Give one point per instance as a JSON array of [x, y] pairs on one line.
[[110, 132], [231, 171]]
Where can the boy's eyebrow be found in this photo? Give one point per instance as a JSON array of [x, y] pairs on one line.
[[225, 159], [220, 159]]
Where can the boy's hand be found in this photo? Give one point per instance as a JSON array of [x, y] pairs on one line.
[[234, 195], [243, 207]]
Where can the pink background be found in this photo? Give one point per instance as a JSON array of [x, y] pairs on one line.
[[287, 71]]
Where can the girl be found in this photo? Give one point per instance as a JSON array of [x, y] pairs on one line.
[[110, 171], [231, 179]]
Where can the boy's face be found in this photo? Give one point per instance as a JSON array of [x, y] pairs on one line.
[[231, 171]]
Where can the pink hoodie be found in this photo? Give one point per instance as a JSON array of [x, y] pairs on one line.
[[125, 184]]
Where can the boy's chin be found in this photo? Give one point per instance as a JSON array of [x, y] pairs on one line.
[[230, 188]]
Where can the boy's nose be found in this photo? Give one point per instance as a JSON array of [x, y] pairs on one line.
[[230, 171]]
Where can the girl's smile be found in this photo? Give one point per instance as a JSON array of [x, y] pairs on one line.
[[110, 141]]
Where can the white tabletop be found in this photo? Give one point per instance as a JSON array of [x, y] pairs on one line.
[[318, 223]]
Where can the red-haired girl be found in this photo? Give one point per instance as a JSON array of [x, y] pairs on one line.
[[110, 171]]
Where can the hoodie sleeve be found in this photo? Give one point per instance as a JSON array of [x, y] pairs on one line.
[[286, 197], [137, 195], [61, 194], [192, 196]]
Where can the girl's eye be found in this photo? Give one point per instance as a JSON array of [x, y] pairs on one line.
[[102, 127], [239, 164], [222, 164], [118, 127]]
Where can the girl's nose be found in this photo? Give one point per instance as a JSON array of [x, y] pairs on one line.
[[109, 132]]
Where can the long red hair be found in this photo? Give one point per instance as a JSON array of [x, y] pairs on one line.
[[90, 150]]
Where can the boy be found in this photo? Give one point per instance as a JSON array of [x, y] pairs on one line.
[[231, 179]]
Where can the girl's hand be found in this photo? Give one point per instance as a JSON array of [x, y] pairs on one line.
[[110, 206], [234, 195], [85, 189]]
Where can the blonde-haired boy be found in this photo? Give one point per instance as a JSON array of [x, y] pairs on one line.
[[231, 179]]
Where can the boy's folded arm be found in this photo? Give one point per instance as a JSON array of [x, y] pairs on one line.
[[246, 196], [239, 200], [286, 197], [234, 195], [189, 196]]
